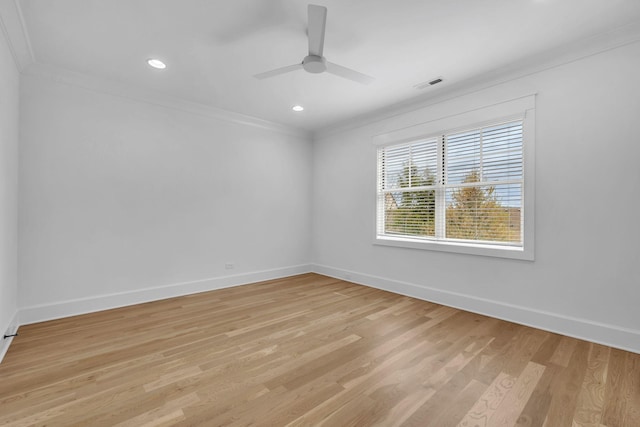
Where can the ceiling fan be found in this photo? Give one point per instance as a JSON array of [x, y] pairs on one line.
[[315, 62]]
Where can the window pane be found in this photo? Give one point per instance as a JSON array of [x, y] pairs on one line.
[[507, 136], [410, 213], [502, 166], [410, 165], [502, 152], [485, 213], [463, 156], [490, 154], [392, 160]]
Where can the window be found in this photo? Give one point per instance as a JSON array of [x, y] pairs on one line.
[[458, 191]]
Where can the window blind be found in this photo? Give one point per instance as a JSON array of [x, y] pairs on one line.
[[461, 186]]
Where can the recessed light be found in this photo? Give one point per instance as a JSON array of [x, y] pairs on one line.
[[156, 63], [297, 108]]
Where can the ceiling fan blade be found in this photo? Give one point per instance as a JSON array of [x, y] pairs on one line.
[[348, 73], [315, 30], [278, 71]]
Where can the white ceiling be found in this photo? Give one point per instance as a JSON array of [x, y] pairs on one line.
[[214, 47]]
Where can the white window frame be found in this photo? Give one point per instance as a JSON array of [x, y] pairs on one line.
[[522, 108]]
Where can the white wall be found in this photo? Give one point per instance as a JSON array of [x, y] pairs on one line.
[[119, 198], [9, 107], [585, 277]]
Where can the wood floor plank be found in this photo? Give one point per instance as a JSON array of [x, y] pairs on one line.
[[633, 405], [458, 407], [487, 404], [309, 350], [563, 352], [592, 393], [508, 412], [566, 386], [535, 411]]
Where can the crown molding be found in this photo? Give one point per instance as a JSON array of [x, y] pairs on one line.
[[565, 54], [137, 94], [15, 32]]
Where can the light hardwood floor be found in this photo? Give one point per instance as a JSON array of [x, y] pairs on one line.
[[309, 350]]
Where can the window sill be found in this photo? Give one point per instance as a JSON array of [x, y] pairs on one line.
[[498, 251]]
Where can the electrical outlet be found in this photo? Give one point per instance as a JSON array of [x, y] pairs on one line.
[[228, 266]]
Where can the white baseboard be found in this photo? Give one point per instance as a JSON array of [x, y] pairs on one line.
[[11, 329], [606, 334], [601, 333], [57, 310]]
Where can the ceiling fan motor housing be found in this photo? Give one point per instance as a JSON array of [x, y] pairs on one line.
[[314, 64]]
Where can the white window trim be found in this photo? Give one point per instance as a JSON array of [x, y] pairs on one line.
[[518, 108]]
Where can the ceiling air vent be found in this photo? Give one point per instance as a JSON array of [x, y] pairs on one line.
[[429, 83]]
